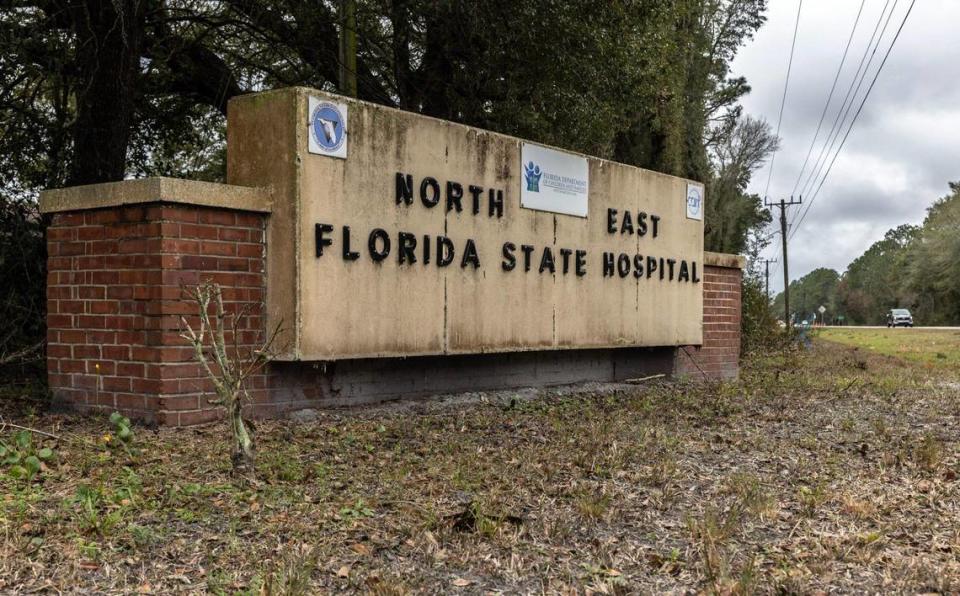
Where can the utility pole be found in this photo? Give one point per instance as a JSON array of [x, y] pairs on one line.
[[348, 47], [783, 235], [766, 276]]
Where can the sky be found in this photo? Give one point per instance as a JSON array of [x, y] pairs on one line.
[[903, 148]]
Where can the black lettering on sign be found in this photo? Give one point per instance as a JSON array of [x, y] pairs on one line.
[[319, 235], [611, 221], [627, 225], [638, 266], [684, 274], [656, 225], [693, 272], [496, 203], [426, 249], [546, 261], [404, 189], [608, 264], [470, 256], [642, 223], [509, 262], [661, 268], [348, 255], [475, 192], [526, 249], [454, 194], [651, 266], [408, 244], [431, 198], [379, 253], [623, 264], [565, 255], [581, 267], [445, 251], [671, 263]]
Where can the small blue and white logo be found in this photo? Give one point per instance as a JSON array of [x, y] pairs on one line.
[[532, 173], [694, 201], [328, 128]]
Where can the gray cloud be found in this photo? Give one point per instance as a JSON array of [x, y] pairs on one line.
[[903, 149]]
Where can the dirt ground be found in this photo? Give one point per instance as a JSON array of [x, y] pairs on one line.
[[820, 471]]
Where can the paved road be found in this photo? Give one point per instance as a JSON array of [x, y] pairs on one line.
[[884, 327]]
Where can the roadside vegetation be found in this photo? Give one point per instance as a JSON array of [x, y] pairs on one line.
[[934, 348], [913, 267], [833, 468]]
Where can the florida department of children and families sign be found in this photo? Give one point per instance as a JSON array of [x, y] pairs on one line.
[[395, 234]]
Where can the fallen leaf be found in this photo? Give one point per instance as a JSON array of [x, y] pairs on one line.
[[344, 571], [460, 582], [360, 549]]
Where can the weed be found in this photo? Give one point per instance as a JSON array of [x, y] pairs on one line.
[[750, 493], [710, 534], [290, 576], [593, 504], [21, 458], [356, 511], [811, 498], [928, 453]]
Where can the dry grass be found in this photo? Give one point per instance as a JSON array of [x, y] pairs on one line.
[[823, 470]]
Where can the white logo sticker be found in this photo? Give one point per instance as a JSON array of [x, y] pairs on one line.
[[327, 128], [694, 201]]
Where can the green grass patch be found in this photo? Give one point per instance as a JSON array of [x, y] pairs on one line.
[[931, 347]]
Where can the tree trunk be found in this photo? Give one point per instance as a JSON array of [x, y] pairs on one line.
[[243, 456], [109, 38], [400, 22]]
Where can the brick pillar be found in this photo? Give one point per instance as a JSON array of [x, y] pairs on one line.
[[115, 295], [719, 356]]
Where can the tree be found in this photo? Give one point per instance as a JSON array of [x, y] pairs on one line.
[[810, 292], [731, 212], [227, 368], [871, 285]]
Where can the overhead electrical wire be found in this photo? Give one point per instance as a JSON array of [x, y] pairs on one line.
[[783, 100], [843, 111], [855, 116], [826, 106]]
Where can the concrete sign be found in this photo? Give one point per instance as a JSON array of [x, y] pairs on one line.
[[554, 181], [418, 241]]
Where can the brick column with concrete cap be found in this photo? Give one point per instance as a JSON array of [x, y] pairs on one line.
[[119, 257], [719, 356]]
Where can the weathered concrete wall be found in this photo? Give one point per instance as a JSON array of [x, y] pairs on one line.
[[115, 297], [297, 385], [337, 309]]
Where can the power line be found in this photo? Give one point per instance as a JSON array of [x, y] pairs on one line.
[[855, 116], [786, 85], [826, 106], [848, 99]]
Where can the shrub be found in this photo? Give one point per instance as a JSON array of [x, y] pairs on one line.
[[758, 324], [23, 269]]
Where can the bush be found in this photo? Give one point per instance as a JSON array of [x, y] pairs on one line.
[[23, 269], [758, 325]]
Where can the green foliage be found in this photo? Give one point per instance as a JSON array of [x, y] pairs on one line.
[[355, 511], [758, 323], [731, 213], [810, 292], [23, 270], [21, 458], [122, 435]]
